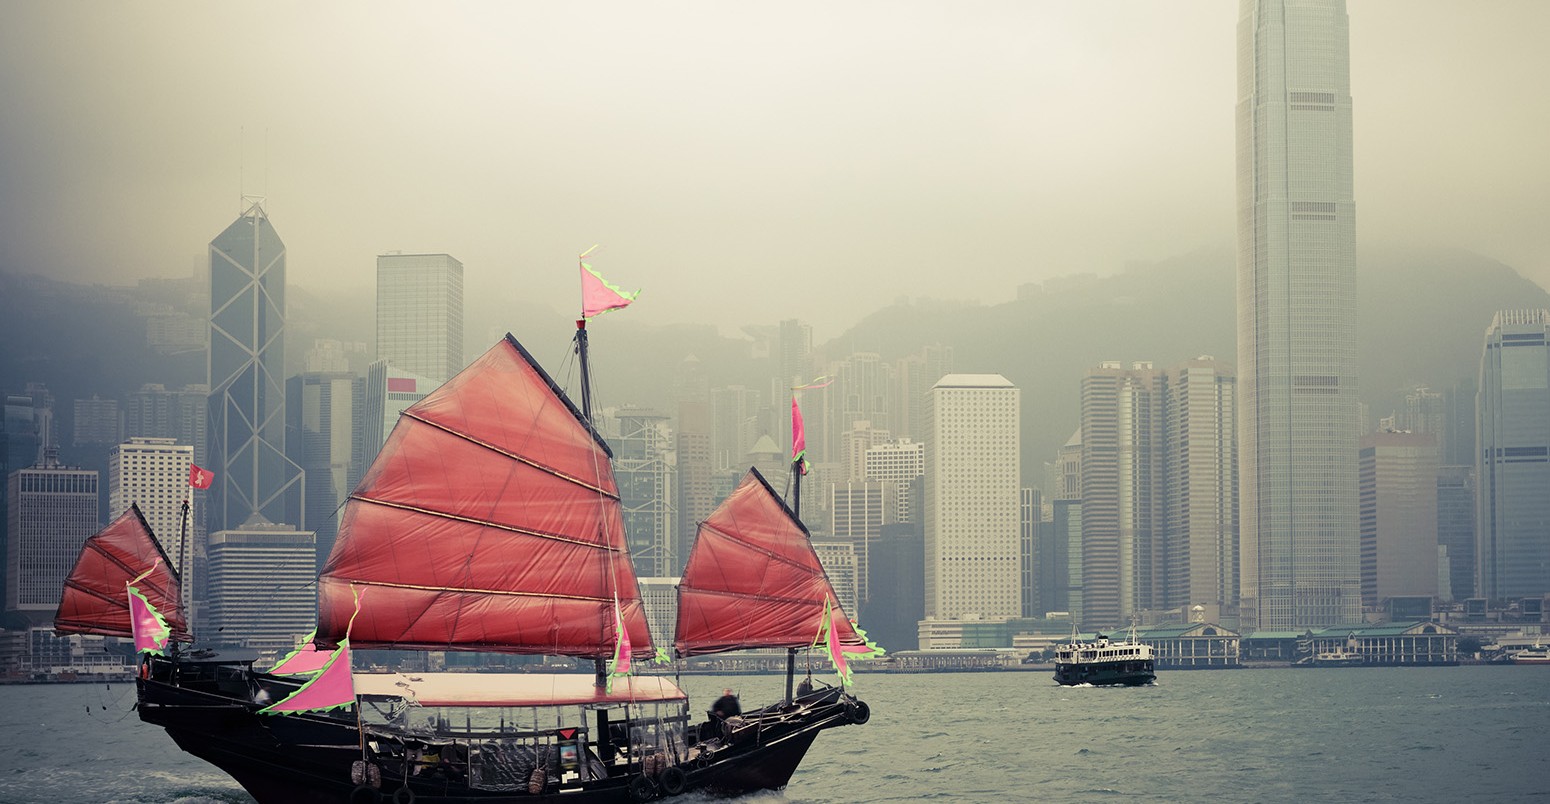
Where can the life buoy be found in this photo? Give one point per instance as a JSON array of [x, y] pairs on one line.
[[859, 712], [672, 780], [641, 789], [403, 795], [364, 795]]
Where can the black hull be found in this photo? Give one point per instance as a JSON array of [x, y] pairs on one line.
[[307, 759], [1131, 673]]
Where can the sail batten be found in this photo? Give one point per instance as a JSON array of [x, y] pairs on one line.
[[93, 601], [490, 521], [753, 580]]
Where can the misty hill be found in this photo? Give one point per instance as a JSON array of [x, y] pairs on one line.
[[1423, 315]]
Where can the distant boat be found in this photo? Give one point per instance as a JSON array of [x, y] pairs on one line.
[[1102, 662], [1337, 658], [1537, 654]]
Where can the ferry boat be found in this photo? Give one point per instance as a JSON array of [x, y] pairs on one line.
[[1104, 663], [1337, 658], [1538, 654]]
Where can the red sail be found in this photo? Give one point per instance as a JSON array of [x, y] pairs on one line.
[[490, 521], [753, 579], [94, 600]]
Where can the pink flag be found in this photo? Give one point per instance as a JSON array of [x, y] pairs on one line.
[[620, 666], [305, 660], [334, 685], [149, 628], [798, 437], [836, 654], [598, 296]]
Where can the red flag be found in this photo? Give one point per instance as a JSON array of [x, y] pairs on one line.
[[200, 478]]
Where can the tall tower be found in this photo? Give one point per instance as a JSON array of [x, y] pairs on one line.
[[247, 376], [1399, 516], [1120, 442], [973, 490], [1299, 420], [153, 473], [1512, 469], [420, 314], [1199, 529]]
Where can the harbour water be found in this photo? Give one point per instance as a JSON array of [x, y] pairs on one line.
[[1339, 735]]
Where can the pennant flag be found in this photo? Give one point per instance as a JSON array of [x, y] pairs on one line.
[[620, 665], [334, 685], [818, 382], [597, 295], [836, 654], [304, 660], [148, 627], [798, 437], [200, 478]]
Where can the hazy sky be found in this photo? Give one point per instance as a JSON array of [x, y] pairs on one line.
[[740, 161]]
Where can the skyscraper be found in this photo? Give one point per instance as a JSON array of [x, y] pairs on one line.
[[1199, 521], [973, 488], [324, 439], [1120, 442], [247, 376], [266, 578], [1512, 471], [420, 314], [1399, 516], [1299, 420], [642, 441]]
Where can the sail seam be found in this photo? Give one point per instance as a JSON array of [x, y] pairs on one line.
[[761, 598], [761, 550], [482, 522], [512, 455], [474, 591]]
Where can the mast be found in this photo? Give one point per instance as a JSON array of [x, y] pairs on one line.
[[599, 666], [796, 512]]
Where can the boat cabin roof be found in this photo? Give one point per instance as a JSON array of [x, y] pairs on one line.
[[514, 689]]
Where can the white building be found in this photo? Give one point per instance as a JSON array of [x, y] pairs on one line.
[[838, 560], [153, 473], [660, 597], [263, 593], [973, 550], [420, 314], [1299, 421], [901, 463]]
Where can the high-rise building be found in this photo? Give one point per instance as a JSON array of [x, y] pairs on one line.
[[182, 415], [324, 439], [51, 511], [738, 418], [973, 550], [894, 602], [1456, 529], [1030, 507], [420, 314], [861, 391], [838, 559], [24, 428], [1512, 471], [1198, 532], [263, 585], [97, 422], [388, 392], [153, 474], [659, 596], [1121, 442], [858, 511], [914, 375], [1060, 560], [247, 377], [646, 474], [861, 436], [1398, 475], [901, 463], [1298, 412]]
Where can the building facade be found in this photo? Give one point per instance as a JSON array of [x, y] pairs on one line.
[[324, 438], [973, 546], [247, 377], [1512, 470], [51, 511], [153, 474], [645, 470], [420, 314], [263, 586], [1398, 474], [1298, 411]]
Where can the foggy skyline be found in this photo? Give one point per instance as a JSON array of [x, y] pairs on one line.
[[739, 164]]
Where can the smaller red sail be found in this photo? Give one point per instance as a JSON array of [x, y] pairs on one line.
[[754, 581], [94, 600]]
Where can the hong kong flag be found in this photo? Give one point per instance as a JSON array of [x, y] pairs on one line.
[[200, 478]]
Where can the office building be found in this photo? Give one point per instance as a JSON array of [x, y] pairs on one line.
[[838, 559], [324, 440], [97, 422], [51, 510], [1512, 472], [388, 392], [901, 463], [973, 550], [1121, 440], [420, 314], [647, 476], [246, 377], [181, 415], [1398, 475], [1198, 533], [1298, 412], [858, 512], [263, 592], [1456, 529]]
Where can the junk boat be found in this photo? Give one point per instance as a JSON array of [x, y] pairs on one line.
[[490, 521], [1104, 663]]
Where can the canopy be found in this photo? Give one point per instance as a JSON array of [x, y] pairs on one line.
[[490, 521], [753, 579], [513, 689], [94, 599]]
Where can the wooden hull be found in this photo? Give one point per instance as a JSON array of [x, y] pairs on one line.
[[307, 759]]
